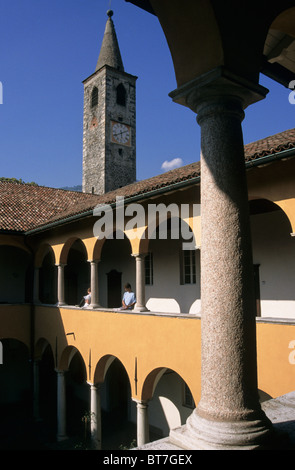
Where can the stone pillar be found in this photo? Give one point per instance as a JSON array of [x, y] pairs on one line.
[[61, 285], [94, 284], [36, 298], [228, 415], [142, 422], [140, 283], [61, 406], [95, 416]]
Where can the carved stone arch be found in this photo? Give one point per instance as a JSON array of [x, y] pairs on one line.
[[40, 346], [188, 226], [42, 251], [278, 48], [14, 242], [67, 246], [151, 382], [67, 355], [97, 249], [153, 378], [284, 19], [259, 205], [102, 367]]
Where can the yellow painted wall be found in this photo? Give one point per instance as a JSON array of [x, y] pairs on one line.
[[275, 357], [15, 322], [161, 341], [155, 341]]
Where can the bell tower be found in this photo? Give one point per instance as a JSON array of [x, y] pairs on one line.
[[109, 125]]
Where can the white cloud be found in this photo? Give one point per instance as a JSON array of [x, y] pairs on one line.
[[170, 165]]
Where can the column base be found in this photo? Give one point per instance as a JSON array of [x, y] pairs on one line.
[[140, 308], [203, 434]]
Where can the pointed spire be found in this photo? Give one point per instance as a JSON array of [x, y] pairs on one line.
[[110, 52]]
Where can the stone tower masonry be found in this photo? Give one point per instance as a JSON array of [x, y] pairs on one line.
[[109, 127]]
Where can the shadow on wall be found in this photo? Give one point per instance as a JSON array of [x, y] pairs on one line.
[[171, 405], [16, 275]]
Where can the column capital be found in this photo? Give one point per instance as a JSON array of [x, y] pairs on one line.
[[141, 403], [217, 83], [96, 386]]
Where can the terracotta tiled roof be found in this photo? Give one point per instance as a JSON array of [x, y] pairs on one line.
[[270, 145], [24, 207]]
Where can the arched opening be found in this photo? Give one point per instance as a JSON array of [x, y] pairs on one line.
[[279, 48], [273, 255], [94, 97], [77, 392], [173, 264], [15, 395], [77, 273], [121, 95], [47, 390], [171, 401], [16, 275], [117, 408], [115, 269], [48, 279]]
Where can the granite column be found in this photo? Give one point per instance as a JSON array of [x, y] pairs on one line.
[[61, 285], [140, 283], [142, 422], [228, 415], [94, 284]]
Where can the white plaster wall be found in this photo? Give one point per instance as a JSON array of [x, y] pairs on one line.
[[274, 251], [167, 294]]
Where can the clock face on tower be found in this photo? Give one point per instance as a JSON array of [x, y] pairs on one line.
[[120, 133]]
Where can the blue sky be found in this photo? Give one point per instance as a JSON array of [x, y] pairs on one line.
[[48, 47]]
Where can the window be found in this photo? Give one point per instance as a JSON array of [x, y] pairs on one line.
[[188, 267], [94, 97], [149, 274], [121, 95]]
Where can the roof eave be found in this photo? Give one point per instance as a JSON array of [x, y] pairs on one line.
[[128, 200], [284, 154]]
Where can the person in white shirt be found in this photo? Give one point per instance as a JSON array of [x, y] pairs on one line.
[[129, 299], [87, 298]]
